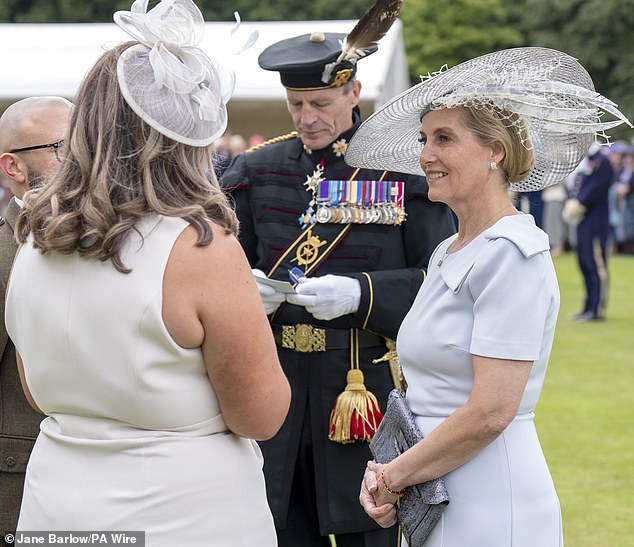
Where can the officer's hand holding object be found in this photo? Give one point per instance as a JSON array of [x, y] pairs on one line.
[[327, 297], [271, 298]]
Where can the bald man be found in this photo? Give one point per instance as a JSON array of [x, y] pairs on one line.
[[31, 149]]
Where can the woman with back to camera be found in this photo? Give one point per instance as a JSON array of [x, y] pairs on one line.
[[476, 342], [135, 313]]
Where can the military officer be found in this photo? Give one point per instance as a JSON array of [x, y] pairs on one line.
[[592, 187], [361, 241]]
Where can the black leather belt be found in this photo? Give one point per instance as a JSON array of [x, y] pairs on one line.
[[308, 338]]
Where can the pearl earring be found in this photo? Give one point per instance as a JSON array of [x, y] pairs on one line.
[[493, 166]]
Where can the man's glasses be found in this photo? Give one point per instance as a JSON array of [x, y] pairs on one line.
[[58, 147]]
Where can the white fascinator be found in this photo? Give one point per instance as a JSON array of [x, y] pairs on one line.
[[551, 95], [167, 79]]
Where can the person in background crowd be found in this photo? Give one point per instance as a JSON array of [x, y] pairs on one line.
[[615, 155], [32, 134], [553, 198], [532, 203], [255, 140], [591, 187], [622, 201], [236, 145], [476, 343], [221, 154], [138, 325], [227, 148], [361, 240]]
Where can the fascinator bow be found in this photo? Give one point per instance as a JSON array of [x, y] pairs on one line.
[[167, 66]]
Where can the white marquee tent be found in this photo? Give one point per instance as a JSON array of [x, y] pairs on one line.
[[51, 59]]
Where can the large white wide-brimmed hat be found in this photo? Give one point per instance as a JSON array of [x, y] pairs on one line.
[[550, 90], [167, 79]]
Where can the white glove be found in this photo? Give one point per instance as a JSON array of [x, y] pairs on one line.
[[573, 211], [327, 297], [271, 298]]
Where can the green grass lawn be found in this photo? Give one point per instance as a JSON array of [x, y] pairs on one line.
[[585, 417]]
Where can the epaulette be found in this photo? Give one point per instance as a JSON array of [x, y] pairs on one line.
[[281, 138]]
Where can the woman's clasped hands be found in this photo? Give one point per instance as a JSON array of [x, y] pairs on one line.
[[375, 498]]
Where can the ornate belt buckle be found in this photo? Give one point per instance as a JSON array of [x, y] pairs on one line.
[[303, 338]]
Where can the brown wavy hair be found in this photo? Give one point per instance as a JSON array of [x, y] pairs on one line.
[[117, 169]]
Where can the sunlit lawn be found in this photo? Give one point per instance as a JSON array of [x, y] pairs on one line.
[[585, 417]]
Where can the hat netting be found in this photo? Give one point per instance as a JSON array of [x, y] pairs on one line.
[[553, 95]]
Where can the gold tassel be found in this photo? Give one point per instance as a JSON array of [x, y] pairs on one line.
[[356, 413]]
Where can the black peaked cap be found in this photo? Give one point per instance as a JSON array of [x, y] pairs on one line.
[[302, 61]]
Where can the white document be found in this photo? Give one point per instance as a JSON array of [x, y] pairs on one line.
[[281, 286]]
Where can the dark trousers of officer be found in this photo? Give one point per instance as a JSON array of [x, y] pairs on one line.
[[592, 247], [302, 525]]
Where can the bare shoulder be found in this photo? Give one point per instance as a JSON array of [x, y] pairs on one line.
[[223, 251], [197, 276]]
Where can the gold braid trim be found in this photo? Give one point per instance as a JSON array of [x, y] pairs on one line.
[[281, 138], [319, 259], [289, 249], [367, 317]]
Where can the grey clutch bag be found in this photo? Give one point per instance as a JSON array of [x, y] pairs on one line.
[[422, 505]]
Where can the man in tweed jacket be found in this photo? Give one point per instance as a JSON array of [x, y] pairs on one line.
[[31, 143]]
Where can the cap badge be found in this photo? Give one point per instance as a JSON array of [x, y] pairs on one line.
[[342, 77]]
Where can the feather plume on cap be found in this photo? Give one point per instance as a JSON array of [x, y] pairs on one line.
[[370, 28]]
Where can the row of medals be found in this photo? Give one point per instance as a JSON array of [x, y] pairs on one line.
[[383, 213]]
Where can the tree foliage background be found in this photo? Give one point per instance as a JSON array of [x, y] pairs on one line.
[[597, 32]]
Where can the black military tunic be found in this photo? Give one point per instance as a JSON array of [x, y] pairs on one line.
[[388, 260]]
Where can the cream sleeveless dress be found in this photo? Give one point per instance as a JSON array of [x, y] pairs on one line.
[[497, 297], [134, 438]]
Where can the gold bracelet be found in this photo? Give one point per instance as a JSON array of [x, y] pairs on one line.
[[397, 494]]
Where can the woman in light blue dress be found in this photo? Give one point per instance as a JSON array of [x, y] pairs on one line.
[[475, 345]]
